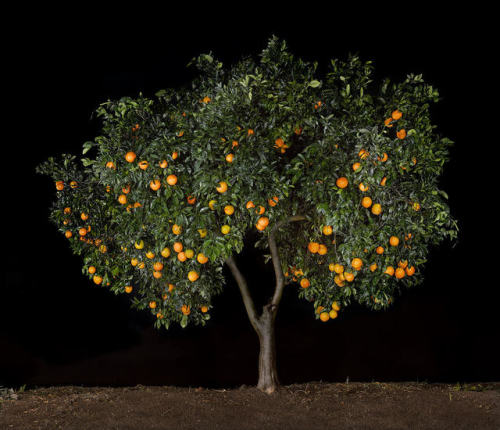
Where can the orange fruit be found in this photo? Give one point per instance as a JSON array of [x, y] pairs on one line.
[[152, 305], [357, 263], [97, 279], [193, 275], [322, 250], [222, 188], [389, 270], [165, 252], [304, 283], [158, 266], [394, 241], [250, 204], [271, 202], [363, 187], [229, 210], [383, 181], [327, 230], [400, 273], [68, 234], [84, 216], [384, 158], [110, 165], [122, 199], [202, 232], [139, 245], [403, 264], [379, 250], [189, 253], [126, 190], [416, 206], [335, 306], [401, 134], [349, 276], [263, 221], [143, 165], [342, 182], [175, 154], [201, 258], [366, 202], [204, 309], [103, 249], [234, 144], [82, 231], [176, 229], [410, 271], [171, 179], [163, 164], [191, 200], [225, 229], [333, 314], [91, 270], [130, 156], [73, 184], [356, 166], [59, 185], [229, 158], [260, 227], [155, 184], [178, 247], [396, 115], [128, 289], [137, 205], [373, 267], [376, 209], [67, 211], [250, 132], [260, 210], [170, 287], [186, 310], [206, 100], [181, 256], [338, 268], [388, 121], [298, 131], [313, 247], [363, 154], [157, 274], [324, 316], [211, 204], [141, 265], [134, 261]]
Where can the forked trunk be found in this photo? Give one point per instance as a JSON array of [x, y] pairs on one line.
[[268, 375]]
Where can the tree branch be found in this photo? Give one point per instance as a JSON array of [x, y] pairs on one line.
[[278, 271], [245, 292]]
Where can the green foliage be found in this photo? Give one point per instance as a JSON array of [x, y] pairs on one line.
[[296, 133]]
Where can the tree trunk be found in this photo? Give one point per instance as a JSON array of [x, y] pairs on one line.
[[268, 375]]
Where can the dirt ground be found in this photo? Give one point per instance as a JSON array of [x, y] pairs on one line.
[[305, 406]]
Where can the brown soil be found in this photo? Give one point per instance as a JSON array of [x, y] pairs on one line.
[[305, 406]]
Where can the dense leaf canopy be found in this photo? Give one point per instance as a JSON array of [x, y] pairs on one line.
[[359, 161]]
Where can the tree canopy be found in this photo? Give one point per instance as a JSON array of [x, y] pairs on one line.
[[176, 181]]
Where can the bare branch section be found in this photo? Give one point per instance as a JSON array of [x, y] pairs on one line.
[[278, 271], [245, 292]]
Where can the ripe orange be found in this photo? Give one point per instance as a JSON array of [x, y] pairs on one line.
[[158, 266], [202, 232], [91, 270], [201, 258], [383, 181], [260, 210], [356, 166], [157, 274], [68, 234], [400, 273], [394, 240], [313, 247], [134, 261], [373, 267], [279, 142], [401, 134], [191, 200], [388, 121], [416, 206], [403, 264], [97, 279], [363, 187], [349, 276], [163, 164], [357, 263], [271, 202], [322, 250], [178, 247], [126, 190], [122, 199], [165, 252], [171, 287], [396, 115], [222, 188], [84, 216], [389, 270], [342, 182], [211, 204], [338, 268], [128, 289], [363, 154], [67, 211], [234, 144], [143, 165], [137, 205], [175, 154], [152, 305], [73, 184], [229, 158], [376, 209], [141, 265], [59, 185], [366, 202], [327, 230], [324, 316], [335, 306], [155, 184], [225, 229], [250, 132], [171, 179], [204, 309], [263, 221], [379, 250], [110, 165], [82, 231], [333, 314], [193, 275], [130, 156], [181, 256], [304, 283], [103, 249], [384, 158], [229, 210], [176, 229], [410, 271], [250, 204], [186, 310]]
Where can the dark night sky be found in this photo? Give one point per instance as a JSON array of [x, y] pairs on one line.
[[56, 327]]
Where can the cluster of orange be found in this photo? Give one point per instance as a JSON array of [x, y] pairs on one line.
[[332, 314], [395, 115], [280, 144]]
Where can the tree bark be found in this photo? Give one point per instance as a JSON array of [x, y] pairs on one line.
[[268, 374]]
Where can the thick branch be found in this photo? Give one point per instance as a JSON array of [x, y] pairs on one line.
[[245, 292], [278, 271]]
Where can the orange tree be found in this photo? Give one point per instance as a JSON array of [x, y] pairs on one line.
[[338, 176]]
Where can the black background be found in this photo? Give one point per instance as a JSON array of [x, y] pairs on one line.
[[56, 327]]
